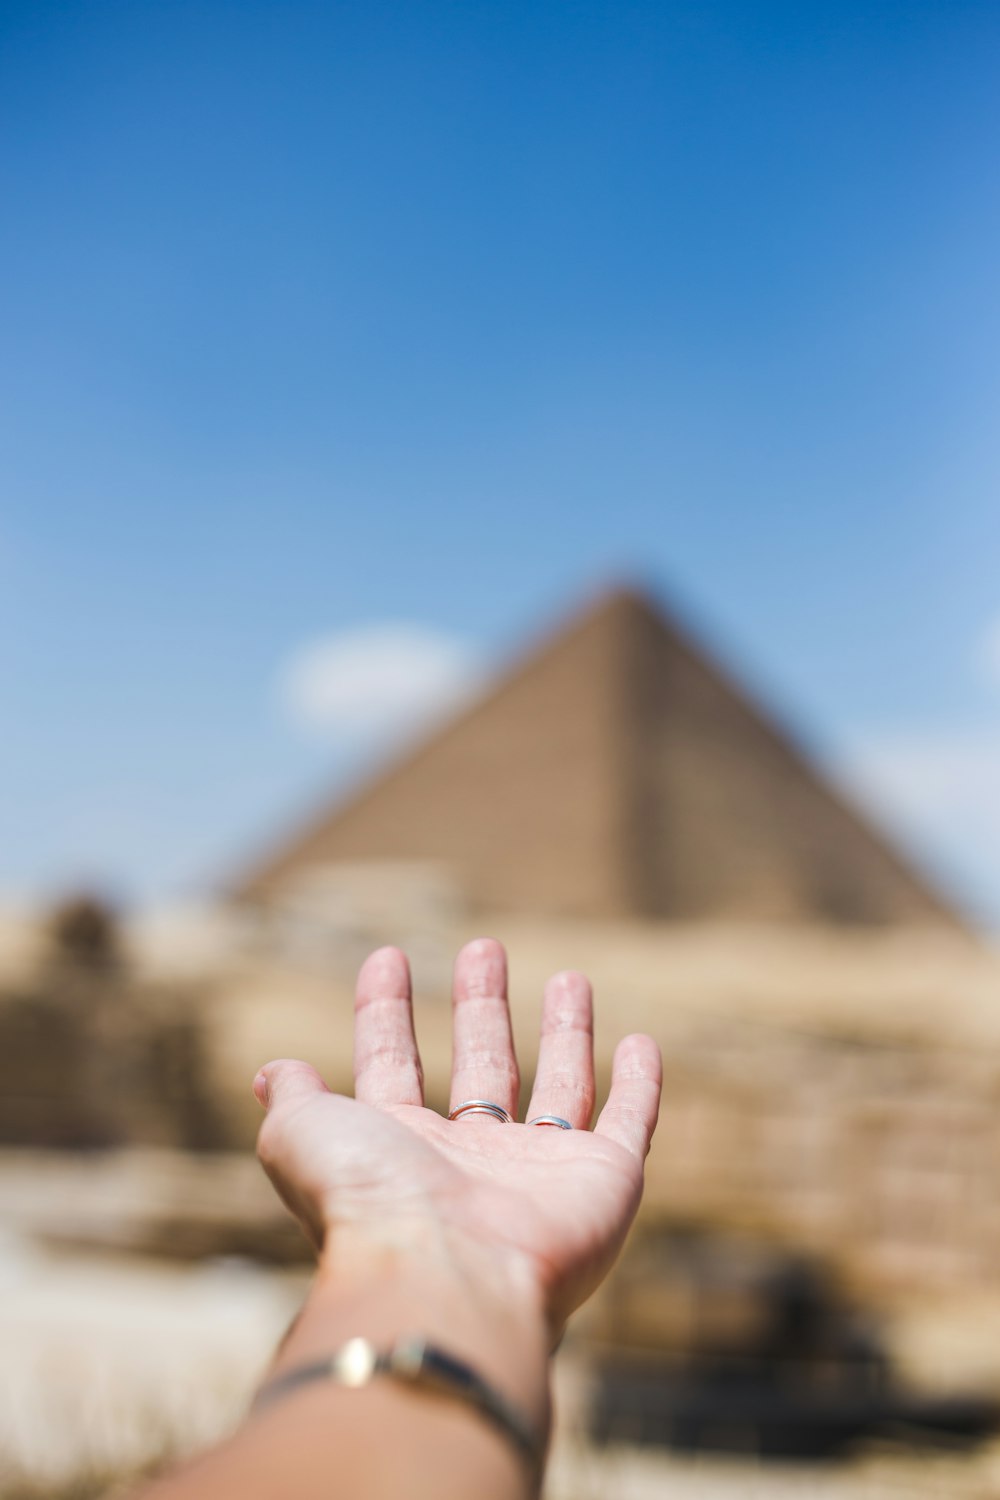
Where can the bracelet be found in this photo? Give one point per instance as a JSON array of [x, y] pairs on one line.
[[415, 1362]]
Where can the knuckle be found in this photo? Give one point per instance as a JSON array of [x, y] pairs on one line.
[[396, 1069], [273, 1135], [486, 1059], [566, 1016], [570, 1085], [570, 982], [268, 1141], [386, 1055]]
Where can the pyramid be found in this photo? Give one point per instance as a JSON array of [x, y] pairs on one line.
[[619, 772]]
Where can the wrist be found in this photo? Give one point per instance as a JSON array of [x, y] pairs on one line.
[[465, 1299], [445, 1266]]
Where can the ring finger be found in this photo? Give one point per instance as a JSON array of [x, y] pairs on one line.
[[564, 1080]]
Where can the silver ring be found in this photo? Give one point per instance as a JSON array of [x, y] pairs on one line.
[[556, 1120], [481, 1107]]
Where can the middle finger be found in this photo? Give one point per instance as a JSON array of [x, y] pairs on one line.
[[483, 1065]]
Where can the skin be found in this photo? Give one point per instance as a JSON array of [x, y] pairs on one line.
[[484, 1237]]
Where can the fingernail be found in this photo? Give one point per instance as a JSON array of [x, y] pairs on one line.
[[260, 1088]]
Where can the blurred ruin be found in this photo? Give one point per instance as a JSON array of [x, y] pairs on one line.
[[816, 1272]]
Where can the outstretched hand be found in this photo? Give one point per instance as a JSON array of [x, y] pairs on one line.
[[543, 1209]]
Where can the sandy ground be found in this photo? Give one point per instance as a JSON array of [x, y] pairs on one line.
[[109, 1361], [627, 1475]]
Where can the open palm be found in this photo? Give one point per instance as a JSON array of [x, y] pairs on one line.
[[382, 1170]]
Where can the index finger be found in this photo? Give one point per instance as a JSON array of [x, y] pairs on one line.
[[386, 1061]]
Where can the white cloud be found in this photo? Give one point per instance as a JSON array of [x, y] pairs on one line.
[[941, 791], [378, 683], [989, 652]]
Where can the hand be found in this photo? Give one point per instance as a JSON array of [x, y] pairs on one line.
[[530, 1209]]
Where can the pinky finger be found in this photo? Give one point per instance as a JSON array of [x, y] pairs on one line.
[[629, 1117]]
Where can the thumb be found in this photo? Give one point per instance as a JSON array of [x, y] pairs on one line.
[[286, 1078]]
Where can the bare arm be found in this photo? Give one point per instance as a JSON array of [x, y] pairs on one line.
[[478, 1235]]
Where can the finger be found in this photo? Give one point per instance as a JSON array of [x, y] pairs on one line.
[[629, 1117], [286, 1078], [278, 1084], [564, 1080], [386, 1061], [483, 1061]]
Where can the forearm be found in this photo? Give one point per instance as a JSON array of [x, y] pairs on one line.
[[387, 1439], [478, 1236]]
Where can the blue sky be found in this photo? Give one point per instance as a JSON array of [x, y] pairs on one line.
[[432, 317]]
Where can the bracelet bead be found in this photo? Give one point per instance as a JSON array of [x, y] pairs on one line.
[[412, 1361]]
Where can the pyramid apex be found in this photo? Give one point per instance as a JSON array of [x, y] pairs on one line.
[[623, 594], [616, 770]]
